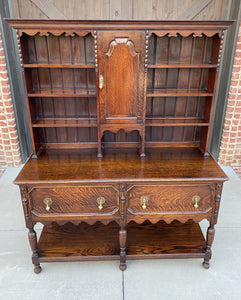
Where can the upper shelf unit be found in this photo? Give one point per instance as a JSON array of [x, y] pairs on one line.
[[169, 94]]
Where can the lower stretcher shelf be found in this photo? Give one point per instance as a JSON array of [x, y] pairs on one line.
[[101, 242]]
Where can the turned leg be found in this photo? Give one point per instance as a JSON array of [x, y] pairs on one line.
[[122, 239], [208, 251], [33, 244]]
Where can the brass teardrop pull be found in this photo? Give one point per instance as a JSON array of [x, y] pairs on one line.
[[196, 199], [144, 201], [100, 201], [47, 202]]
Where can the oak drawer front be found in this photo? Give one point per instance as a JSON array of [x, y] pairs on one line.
[[78, 200], [169, 198]]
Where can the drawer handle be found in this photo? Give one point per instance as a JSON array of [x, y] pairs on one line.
[[144, 201], [48, 202], [195, 199], [100, 201]]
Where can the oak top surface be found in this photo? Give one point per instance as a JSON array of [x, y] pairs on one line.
[[120, 165]]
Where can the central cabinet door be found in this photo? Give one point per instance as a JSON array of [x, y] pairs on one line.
[[121, 79]]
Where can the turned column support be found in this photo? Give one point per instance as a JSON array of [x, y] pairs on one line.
[[209, 241], [213, 222], [122, 240], [32, 237]]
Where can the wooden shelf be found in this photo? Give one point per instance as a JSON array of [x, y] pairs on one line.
[[177, 93], [164, 240], [175, 65], [87, 242], [66, 122], [62, 93], [60, 66], [176, 122], [82, 242]]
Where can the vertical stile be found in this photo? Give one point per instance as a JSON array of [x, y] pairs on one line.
[[35, 149]]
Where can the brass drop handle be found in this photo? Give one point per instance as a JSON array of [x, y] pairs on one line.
[[195, 199], [48, 202], [101, 82], [100, 201], [144, 201]]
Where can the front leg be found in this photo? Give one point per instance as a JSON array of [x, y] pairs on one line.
[[208, 251], [122, 240], [33, 244], [211, 230]]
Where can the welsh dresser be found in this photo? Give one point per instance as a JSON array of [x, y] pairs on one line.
[[120, 114]]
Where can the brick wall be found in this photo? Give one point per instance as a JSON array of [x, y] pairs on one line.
[[230, 151], [9, 145]]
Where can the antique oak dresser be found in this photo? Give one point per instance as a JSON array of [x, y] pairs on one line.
[[120, 114]]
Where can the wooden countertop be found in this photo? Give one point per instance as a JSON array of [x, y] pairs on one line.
[[59, 166]]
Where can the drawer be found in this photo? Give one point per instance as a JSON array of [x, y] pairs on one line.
[[75, 200], [170, 198]]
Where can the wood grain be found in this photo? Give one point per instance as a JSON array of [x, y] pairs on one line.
[[167, 106], [82, 242], [181, 164], [81, 200], [168, 199], [164, 240]]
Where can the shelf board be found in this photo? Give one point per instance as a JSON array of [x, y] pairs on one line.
[[68, 146], [176, 122], [82, 242], [177, 93], [174, 65], [62, 93], [60, 66], [101, 242], [165, 240], [66, 122]]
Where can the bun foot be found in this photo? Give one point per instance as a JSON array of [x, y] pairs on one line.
[[37, 269], [142, 155], [99, 155], [206, 265], [122, 267]]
